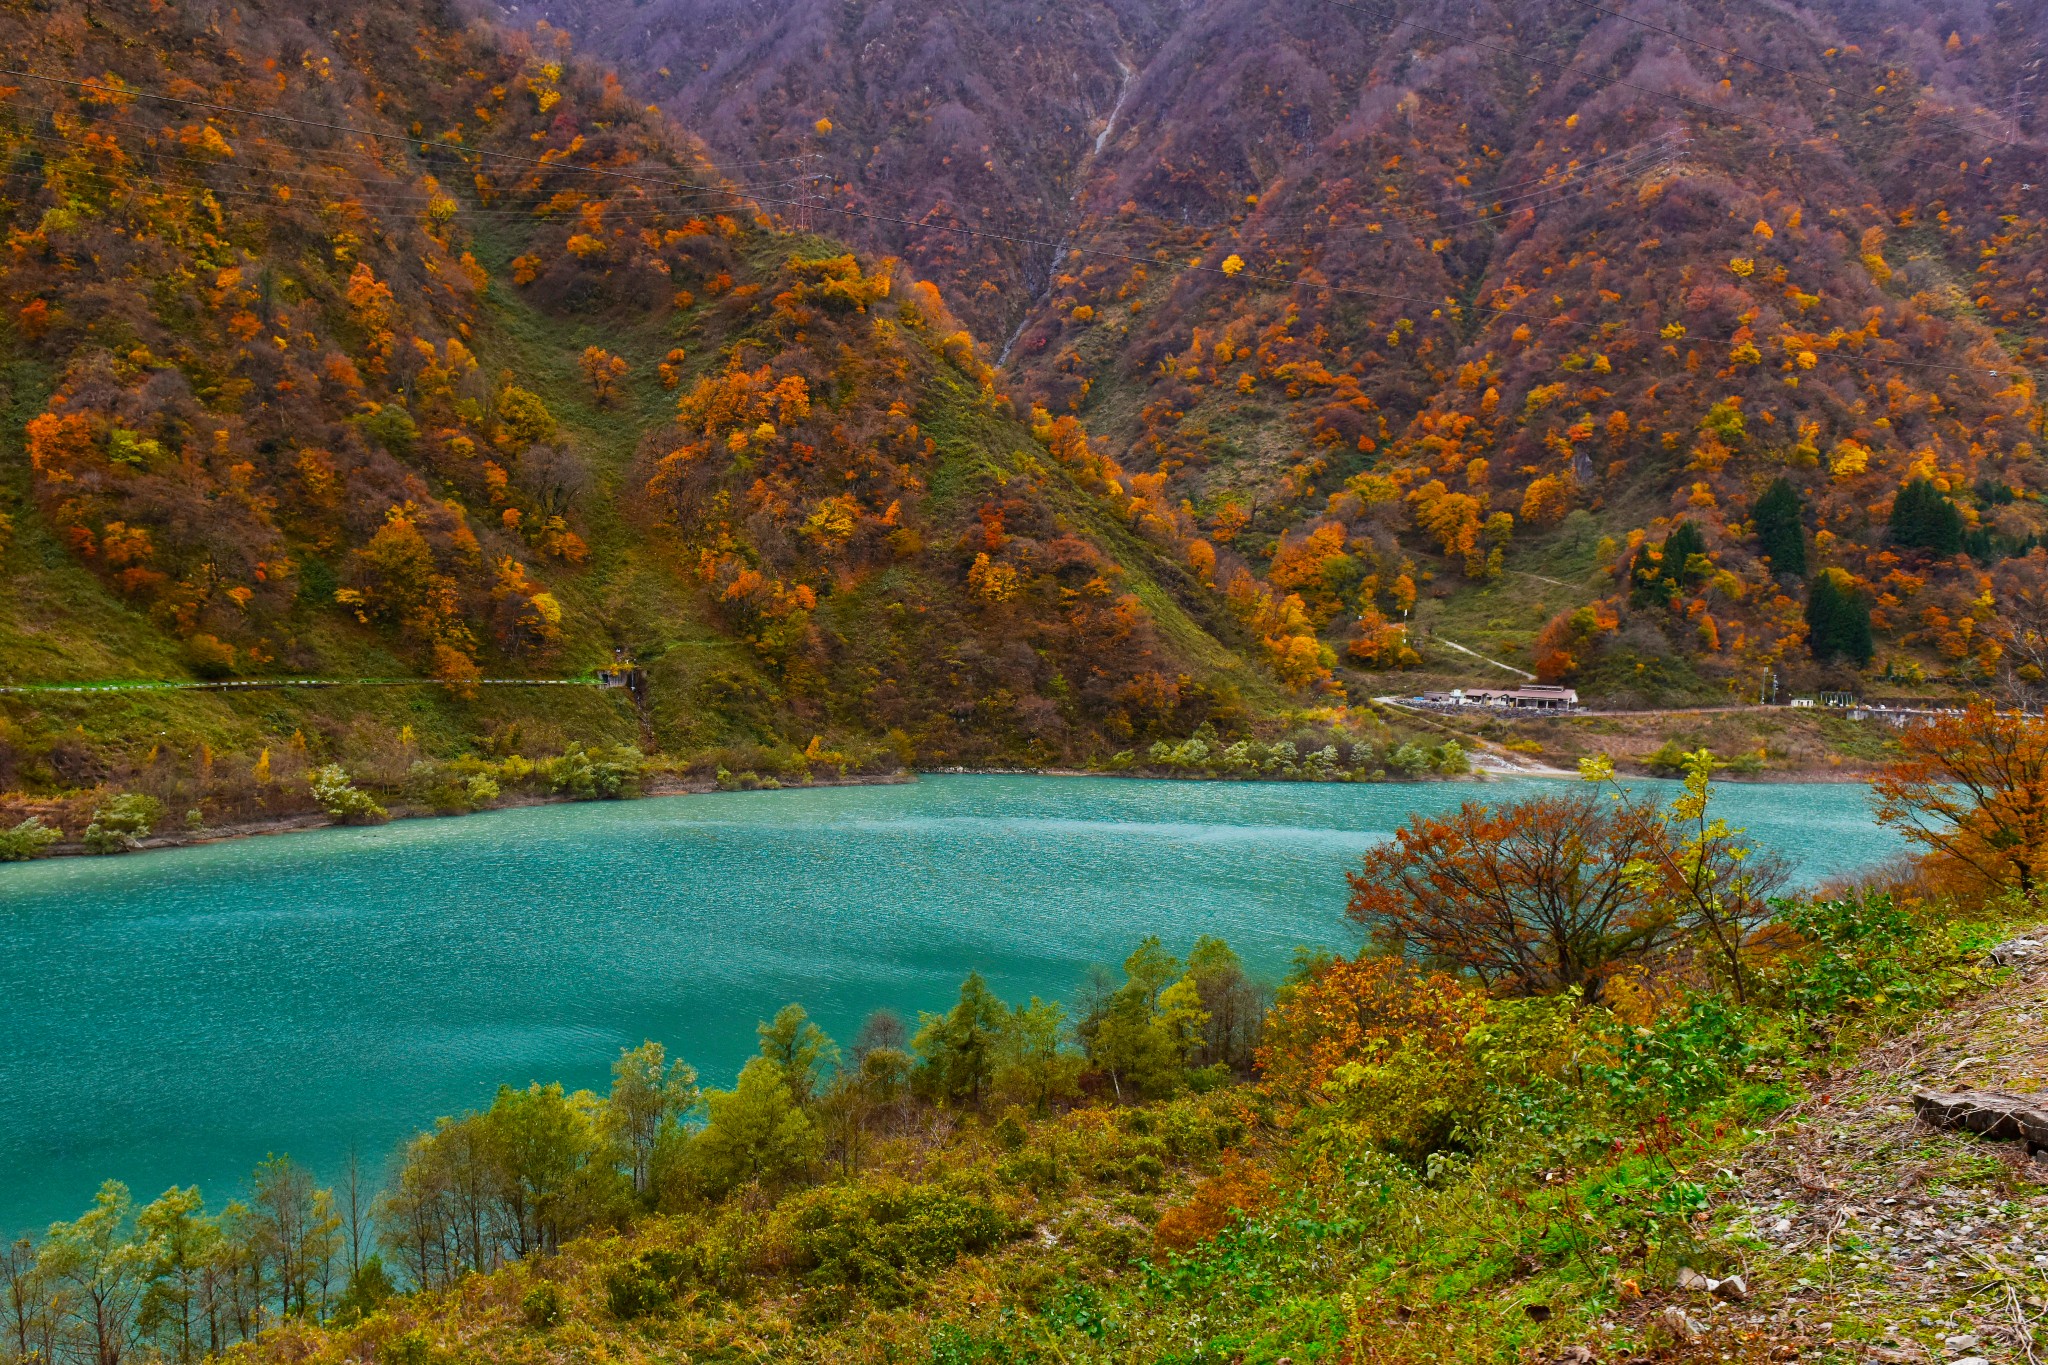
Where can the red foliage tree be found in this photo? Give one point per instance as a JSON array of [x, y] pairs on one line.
[[1529, 897]]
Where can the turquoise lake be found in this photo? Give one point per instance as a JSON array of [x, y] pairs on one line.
[[175, 1016]]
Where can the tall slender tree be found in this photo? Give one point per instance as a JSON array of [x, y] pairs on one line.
[[1780, 519], [1837, 620]]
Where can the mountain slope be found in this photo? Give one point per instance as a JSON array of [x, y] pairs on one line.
[[1384, 289], [375, 349]]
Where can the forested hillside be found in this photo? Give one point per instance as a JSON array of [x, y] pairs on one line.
[[373, 343], [915, 384], [1605, 338]]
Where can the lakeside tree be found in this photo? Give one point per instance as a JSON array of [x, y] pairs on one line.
[[802, 1049], [1034, 1066], [1142, 1033], [1698, 874], [1235, 1004], [957, 1052], [1529, 897], [296, 1231], [1972, 790], [758, 1133], [2020, 626], [648, 1100], [94, 1263]]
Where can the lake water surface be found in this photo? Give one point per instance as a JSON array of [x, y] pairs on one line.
[[176, 1016]]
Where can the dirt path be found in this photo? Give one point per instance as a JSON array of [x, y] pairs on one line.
[[1871, 1236], [1518, 672]]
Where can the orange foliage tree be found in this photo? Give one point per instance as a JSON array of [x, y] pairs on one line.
[[1972, 790], [602, 371], [1529, 897], [1382, 1047], [1354, 1011]]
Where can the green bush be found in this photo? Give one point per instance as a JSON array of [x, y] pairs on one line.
[[644, 1286], [605, 773], [873, 1238], [341, 799], [541, 1306], [955, 1346], [209, 657], [1668, 761], [27, 840], [122, 822], [450, 788], [1683, 1060], [392, 427], [1862, 954]]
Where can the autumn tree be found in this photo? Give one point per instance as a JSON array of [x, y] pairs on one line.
[[1531, 897], [1700, 876], [1972, 791], [1381, 1041], [2020, 625], [602, 370]]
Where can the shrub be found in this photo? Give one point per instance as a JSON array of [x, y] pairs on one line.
[[606, 773], [209, 657], [633, 1291], [1382, 1047], [541, 1306], [1678, 1063], [873, 1238], [122, 823], [1239, 1188], [342, 800], [1858, 954], [26, 840], [1407, 760], [1669, 761], [449, 789]]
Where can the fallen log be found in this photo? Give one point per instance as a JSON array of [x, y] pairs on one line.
[[1996, 1117]]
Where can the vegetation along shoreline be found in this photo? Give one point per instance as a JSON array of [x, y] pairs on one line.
[[1587, 1035]]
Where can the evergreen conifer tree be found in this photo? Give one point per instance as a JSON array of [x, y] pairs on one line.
[[1923, 519], [1837, 622], [1781, 530], [1680, 546]]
